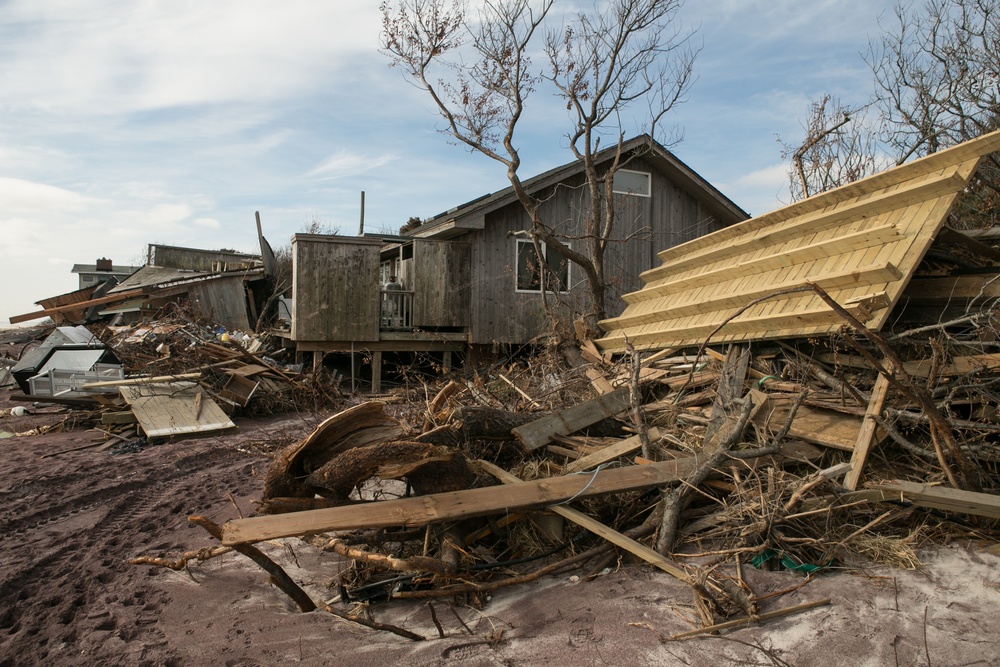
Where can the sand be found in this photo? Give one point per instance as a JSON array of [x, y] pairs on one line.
[[70, 522]]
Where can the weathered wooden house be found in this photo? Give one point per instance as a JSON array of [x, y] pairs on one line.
[[466, 277]]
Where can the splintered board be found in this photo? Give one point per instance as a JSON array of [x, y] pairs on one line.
[[175, 409], [761, 278]]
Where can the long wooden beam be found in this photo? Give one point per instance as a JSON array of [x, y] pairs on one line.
[[421, 510], [121, 296]]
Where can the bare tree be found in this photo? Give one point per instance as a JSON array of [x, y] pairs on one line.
[[839, 148], [937, 84], [936, 74], [477, 68]]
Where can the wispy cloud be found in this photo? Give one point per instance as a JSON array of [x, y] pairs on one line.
[[346, 163]]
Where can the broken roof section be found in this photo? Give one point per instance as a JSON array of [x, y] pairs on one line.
[[860, 243]]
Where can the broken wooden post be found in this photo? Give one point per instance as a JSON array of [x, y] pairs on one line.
[[539, 432]]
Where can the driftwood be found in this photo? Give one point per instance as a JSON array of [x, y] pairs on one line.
[[354, 427], [429, 469], [478, 422], [281, 578]]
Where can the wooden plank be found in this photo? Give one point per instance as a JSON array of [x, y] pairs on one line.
[[609, 453], [776, 259], [815, 425], [868, 434], [598, 381], [123, 417], [121, 296], [248, 370], [935, 497], [655, 309], [166, 410], [593, 525], [421, 510], [921, 367], [762, 326], [127, 382], [818, 222], [953, 236], [953, 288], [817, 212], [539, 432]]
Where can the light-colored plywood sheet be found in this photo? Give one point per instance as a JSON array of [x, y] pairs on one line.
[[754, 280], [175, 409]]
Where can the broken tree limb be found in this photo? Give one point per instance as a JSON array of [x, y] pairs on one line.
[[374, 625], [281, 578], [635, 396], [941, 432], [618, 539], [766, 616], [382, 561], [200, 555], [675, 499]]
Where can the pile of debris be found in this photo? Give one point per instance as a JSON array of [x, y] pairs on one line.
[[165, 379], [804, 454], [801, 389]]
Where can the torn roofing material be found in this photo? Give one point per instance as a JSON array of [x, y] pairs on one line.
[[860, 243]]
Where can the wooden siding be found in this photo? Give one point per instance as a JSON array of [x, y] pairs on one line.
[[335, 288], [442, 282], [860, 243], [501, 314], [223, 301]]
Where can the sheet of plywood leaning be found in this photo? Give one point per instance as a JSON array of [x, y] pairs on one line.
[[860, 243]]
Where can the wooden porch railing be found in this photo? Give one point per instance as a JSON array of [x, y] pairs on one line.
[[396, 310]]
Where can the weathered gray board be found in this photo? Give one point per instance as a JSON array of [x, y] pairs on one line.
[[335, 288], [442, 283], [174, 409], [539, 432]]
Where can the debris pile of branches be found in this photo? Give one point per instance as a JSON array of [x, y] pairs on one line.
[[804, 454]]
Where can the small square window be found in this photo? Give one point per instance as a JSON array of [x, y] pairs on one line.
[[529, 273], [628, 182]]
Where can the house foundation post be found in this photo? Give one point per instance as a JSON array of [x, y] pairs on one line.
[[376, 371]]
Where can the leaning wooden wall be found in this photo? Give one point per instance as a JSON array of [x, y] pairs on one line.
[[223, 301]]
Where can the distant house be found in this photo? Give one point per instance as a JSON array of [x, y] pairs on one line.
[[100, 271], [466, 275]]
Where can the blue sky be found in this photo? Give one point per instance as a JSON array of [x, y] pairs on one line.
[[128, 122]]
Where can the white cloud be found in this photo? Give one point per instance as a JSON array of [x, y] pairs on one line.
[[89, 56], [208, 223], [22, 196], [345, 163]]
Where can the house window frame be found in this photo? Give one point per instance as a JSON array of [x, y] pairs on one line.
[[649, 183], [517, 268]]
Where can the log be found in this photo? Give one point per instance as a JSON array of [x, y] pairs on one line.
[[354, 427]]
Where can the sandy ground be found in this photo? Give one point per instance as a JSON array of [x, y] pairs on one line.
[[69, 522]]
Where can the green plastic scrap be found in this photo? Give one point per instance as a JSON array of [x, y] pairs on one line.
[[786, 561]]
